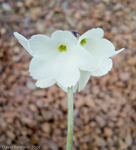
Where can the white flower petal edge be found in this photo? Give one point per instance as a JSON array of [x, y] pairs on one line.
[[104, 68], [24, 42], [44, 83], [84, 77], [118, 51]]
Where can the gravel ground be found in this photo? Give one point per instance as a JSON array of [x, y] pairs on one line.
[[105, 111]]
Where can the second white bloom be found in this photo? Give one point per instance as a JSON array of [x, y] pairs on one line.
[[101, 49]]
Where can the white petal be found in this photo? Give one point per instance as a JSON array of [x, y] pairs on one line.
[[41, 68], [40, 44], [63, 88], [64, 37], [84, 77], [100, 47], [65, 72], [94, 33], [83, 59], [44, 83], [24, 42], [104, 68], [66, 89], [117, 52]]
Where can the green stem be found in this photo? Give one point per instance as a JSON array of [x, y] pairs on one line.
[[70, 119]]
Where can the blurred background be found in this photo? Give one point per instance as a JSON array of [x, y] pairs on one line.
[[105, 111]]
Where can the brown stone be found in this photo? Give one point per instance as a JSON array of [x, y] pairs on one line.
[[46, 127], [108, 132]]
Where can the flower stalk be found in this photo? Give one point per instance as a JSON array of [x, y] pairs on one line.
[[70, 119]]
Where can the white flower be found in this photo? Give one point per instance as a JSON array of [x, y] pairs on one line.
[[58, 59], [66, 60], [101, 49]]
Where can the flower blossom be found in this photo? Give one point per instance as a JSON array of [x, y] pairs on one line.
[[58, 59], [68, 58], [101, 49]]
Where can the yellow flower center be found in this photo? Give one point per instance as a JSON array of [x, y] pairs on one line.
[[62, 48], [83, 42]]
